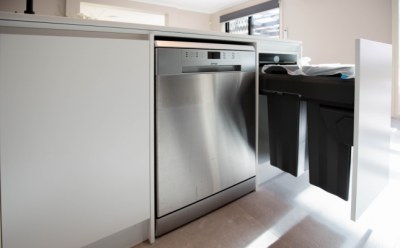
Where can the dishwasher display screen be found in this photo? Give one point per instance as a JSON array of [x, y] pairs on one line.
[[214, 55]]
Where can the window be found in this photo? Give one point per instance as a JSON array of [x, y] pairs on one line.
[[267, 23], [119, 14], [262, 19]]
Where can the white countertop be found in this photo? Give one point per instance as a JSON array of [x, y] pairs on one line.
[[8, 19]]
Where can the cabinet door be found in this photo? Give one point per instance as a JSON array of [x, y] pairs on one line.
[[74, 138], [372, 116]]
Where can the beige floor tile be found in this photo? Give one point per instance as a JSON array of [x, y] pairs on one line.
[[310, 233], [230, 226], [286, 212], [264, 207]]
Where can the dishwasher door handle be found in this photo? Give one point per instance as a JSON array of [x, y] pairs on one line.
[[210, 68]]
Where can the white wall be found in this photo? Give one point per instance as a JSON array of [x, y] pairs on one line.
[[175, 17], [327, 28], [41, 7]]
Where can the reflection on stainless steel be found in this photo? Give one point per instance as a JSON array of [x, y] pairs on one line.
[[205, 141], [263, 135]]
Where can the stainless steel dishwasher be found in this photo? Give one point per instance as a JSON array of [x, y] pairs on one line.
[[205, 128]]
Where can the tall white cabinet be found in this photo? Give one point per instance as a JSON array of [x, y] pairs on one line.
[[74, 146]]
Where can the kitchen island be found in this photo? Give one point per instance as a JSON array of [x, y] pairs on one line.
[[77, 128]]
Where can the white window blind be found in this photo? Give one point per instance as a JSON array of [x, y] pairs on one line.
[[267, 23]]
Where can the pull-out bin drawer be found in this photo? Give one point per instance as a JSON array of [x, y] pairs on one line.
[[330, 108]]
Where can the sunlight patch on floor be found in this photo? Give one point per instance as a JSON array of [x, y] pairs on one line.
[[280, 228], [264, 240], [318, 201]]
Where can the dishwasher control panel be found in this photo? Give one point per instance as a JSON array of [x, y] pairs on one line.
[[181, 57], [194, 54], [204, 57]]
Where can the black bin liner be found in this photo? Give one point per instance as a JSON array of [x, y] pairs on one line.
[[330, 138], [283, 125]]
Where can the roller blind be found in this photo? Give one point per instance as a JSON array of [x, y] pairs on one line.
[[272, 4]]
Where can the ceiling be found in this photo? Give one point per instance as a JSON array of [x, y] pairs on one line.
[[203, 6]]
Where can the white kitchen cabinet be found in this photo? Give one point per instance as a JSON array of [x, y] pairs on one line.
[[74, 138]]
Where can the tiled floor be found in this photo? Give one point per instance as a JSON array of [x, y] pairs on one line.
[[289, 212]]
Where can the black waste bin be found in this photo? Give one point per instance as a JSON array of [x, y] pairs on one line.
[[330, 138], [283, 124]]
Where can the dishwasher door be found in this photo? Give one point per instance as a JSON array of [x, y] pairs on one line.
[[205, 135]]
